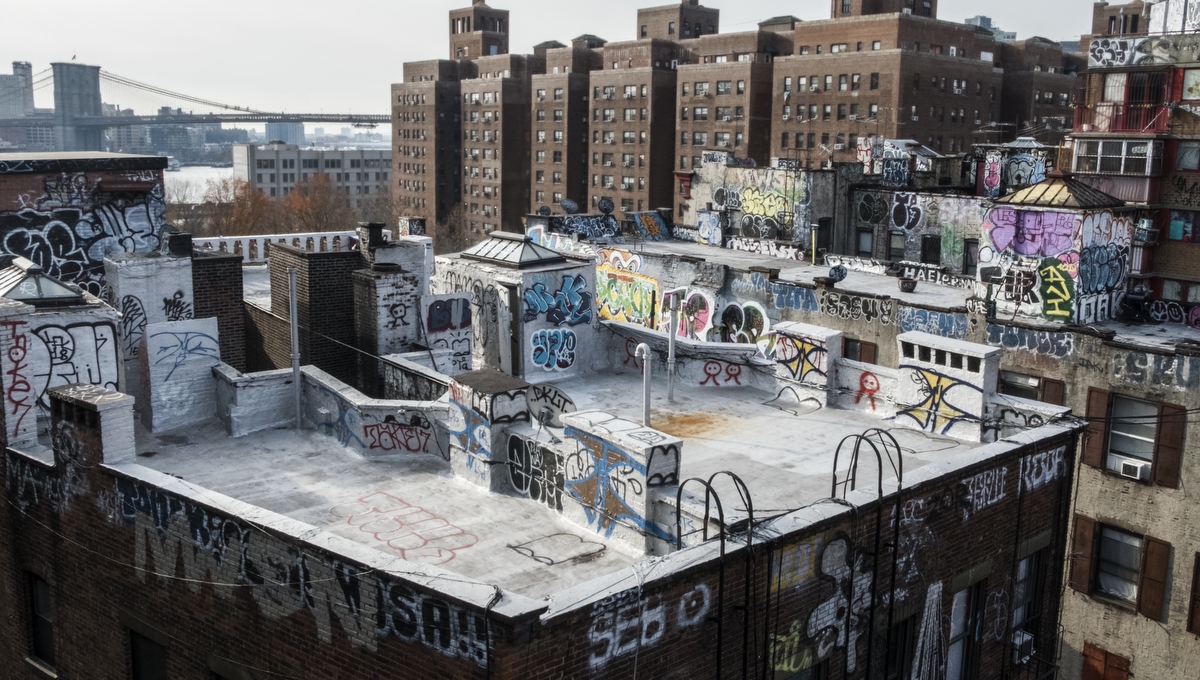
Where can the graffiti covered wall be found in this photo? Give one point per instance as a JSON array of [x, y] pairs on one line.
[[1064, 267], [67, 220], [954, 221], [758, 204], [558, 322]]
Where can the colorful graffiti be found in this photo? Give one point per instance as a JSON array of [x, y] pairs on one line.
[[804, 358], [622, 295], [554, 349], [940, 407], [695, 316], [571, 304], [652, 226], [945, 324], [607, 482]]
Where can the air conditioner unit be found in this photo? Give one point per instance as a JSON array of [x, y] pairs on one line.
[[916, 118], [785, 116], [1134, 469], [629, 96], [815, 88], [958, 90], [608, 164], [839, 147], [726, 118], [854, 116], [1022, 644], [907, 10], [608, 95], [977, 121]]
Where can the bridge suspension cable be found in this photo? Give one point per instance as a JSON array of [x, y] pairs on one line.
[[145, 87]]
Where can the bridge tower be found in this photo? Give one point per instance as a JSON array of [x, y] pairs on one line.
[[76, 93]]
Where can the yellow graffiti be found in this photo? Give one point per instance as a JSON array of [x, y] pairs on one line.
[[794, 565], [786, 654], [625, 296], [935, 413], [1056, 291], [755, 202]]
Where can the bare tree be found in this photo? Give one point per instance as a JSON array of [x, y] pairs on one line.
[[234, 207], [318, 205], [379, 208], [182, 198]]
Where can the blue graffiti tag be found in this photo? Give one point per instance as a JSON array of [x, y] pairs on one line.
[[933, 322], [554, 349], [571, 304], [183, 345], [608, 476]]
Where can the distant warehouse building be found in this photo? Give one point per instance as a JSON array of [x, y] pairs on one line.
[[276, 168]]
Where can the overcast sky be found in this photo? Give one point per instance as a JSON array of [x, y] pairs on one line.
[[308, 56]]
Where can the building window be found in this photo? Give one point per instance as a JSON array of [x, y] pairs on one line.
[[1114, 563], [1137, 439], [1027, 601], [701, 89], [859, 350], [896, 245], [931, 249], [699, 139], [970, 256], [962, 656], [41, 620], [876, 45], [901, 642], [866, 237], [724, 87], [1193, 625], [149, 657], [1119, 563]]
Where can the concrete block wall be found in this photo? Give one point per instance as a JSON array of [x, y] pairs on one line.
[[612, 474], [808, 355], [944, 385], [558, 330], [147, 289], [482, 404], [249, 402], [177, 360], [217, 289], [446, 325], [387, 310]]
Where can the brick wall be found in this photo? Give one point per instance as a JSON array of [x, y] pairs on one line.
[[263, 595], [324, 306], [217, 289]]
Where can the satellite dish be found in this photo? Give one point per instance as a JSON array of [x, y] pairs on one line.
[[569, 207], [838, 273], [544, 211], [606, 205]]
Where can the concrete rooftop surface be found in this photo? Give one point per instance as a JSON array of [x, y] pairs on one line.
[[308, 477]]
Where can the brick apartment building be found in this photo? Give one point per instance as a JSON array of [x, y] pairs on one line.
[[559, 152], [812, 91], [632, 126]]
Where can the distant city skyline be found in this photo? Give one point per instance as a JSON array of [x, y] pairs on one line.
[[304, 60]]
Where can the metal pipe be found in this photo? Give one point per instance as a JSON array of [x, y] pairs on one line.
[[643, 351], [295, 344], [674, 297]]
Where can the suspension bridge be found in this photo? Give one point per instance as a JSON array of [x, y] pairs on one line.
[[80, 116]]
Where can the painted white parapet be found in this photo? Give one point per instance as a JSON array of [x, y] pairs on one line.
[[249, 402], [372, 427], [254, 248]]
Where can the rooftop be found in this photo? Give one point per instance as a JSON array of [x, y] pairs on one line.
[[63, 161], [519, 545]]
